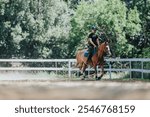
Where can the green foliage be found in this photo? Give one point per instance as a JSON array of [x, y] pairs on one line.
[[58, 28], [146, 53], [143, 40], [133, 22], [31, 24], [111, 17]]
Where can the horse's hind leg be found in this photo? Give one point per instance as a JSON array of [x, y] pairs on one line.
[[77, 64], [102, 67], [95, 68], [80, 72], [80, 68]]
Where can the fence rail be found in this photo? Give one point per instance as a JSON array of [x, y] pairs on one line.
[[69, 66]]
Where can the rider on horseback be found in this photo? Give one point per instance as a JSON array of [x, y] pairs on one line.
[[93, 42]]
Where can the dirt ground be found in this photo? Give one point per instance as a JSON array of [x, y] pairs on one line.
[[67, 89]]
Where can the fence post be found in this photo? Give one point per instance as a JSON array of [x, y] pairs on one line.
[[56, 67], [130, 70], [69, 68], [110, 71], [88, 70], [142, 68]]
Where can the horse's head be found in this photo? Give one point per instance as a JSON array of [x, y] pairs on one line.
[[104, 49]]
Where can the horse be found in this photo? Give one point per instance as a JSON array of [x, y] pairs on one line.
[[96, 60]]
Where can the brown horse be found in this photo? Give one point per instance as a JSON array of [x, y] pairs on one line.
[[96, 60]]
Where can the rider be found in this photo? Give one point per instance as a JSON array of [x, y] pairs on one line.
[[93, 42]]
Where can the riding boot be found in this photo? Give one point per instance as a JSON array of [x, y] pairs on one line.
[[90, 49], [88, 59]]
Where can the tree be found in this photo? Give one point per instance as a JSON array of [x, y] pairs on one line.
[[34, 28], [141, 41], [111, 17]]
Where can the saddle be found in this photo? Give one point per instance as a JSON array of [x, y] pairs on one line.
[[86, 52]]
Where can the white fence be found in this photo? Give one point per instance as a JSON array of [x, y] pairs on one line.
[[68, 65], [140, 62]]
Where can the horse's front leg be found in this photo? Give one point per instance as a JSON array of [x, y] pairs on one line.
[[83, 71], [102, 67], [98, 78], [95, 69]]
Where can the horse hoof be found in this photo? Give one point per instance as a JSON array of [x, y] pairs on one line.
[[82, 78], [98, 78]]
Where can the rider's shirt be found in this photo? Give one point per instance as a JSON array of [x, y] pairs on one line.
[[94, 37]]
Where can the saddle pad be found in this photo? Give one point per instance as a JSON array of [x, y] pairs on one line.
[[86, 53]]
